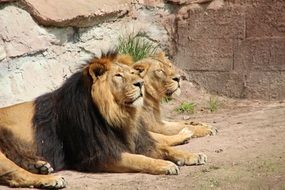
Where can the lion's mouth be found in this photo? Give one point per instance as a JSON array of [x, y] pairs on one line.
[[135, 99], [171, 92]]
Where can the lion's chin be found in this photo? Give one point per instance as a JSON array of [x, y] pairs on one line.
[[176, 92], [138, 102]]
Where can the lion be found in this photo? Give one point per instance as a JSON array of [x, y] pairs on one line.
[[91, 123], [162, 80]]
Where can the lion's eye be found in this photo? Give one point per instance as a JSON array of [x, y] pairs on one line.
[[159, 73], [118, 75]]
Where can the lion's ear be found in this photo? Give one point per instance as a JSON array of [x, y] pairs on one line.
[[160, 55], [142, 68], [125, 59], [98, 68]]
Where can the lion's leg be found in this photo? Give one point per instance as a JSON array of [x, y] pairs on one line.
[[172, 128], [30, 162], [200, 129], [181, 157], [36, 165], [172, 140], [14, 176], [165, 129], [26, 158], [140, 163], [23, 153]]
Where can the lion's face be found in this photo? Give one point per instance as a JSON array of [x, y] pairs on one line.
[[161, 78], [126, 85], [115, 84]]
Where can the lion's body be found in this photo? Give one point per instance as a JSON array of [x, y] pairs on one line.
[[91, 123], [21, 125], [162, 80], [85, 134]]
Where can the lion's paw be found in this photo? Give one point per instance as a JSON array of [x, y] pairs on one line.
[[56, 182], [213, 131], [202, 129], [43, 167], [171, 169], [193, 159], [186, 135]]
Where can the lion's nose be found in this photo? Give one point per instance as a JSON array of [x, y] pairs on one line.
[[176, 78], [139, 84]]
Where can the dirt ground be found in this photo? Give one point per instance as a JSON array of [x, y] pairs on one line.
[[247, 153]]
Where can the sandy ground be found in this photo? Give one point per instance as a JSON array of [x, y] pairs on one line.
[[247, 153]]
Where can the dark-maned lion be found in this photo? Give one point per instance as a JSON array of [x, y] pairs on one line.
[[162, 80], [91, 123]]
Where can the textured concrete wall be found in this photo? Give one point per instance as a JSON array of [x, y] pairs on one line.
[[236, 48]]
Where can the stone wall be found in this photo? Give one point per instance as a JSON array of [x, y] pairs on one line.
[[235, 48], [40, 45]]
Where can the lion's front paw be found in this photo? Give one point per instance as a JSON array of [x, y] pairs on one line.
[[169, 168], [56, 182], [41, 167], [213, 131], [202, 129], [44, 167], [193, 159], [186, 135]]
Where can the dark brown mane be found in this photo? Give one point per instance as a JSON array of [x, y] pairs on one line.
[[72, 134]]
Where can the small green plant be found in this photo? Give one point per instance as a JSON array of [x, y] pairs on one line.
[[136, 45], [213, 104], [166, 99], [186, 107]]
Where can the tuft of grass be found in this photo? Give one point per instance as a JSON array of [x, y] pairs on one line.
[[137, 46], [213, 104], [186, 107], [166, 99]]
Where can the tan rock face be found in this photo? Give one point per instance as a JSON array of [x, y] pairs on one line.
[[234, 48], [19, 33], [80, 13]]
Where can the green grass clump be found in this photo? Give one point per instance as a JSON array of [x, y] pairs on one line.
[[186, 107], [213, 104], [137, 46]]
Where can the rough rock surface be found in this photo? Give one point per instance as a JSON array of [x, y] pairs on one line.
[[20, 33], [36, 59], [79, 13], [234, 48]]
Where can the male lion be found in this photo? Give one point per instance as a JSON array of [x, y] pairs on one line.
[[91, 123], [161, 80]]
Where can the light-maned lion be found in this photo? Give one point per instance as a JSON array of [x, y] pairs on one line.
[[162, 80], [91, 123]]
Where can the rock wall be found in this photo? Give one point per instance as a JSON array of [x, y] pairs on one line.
[[38, 51], [234, 47]]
